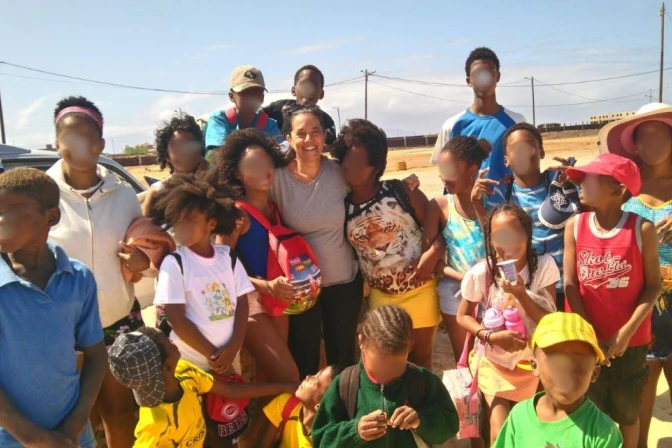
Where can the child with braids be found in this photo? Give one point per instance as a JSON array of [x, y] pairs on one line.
[[454, 216], [201, 286], [384, 401], [504, 373]]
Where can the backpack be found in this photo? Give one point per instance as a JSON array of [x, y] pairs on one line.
[[232, 118], [287, 410], [161, 317], [289, 255]]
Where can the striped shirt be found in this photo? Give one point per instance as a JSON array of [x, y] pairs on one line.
[[544, 240]]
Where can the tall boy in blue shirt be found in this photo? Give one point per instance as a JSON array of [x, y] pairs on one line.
[[49, 305]]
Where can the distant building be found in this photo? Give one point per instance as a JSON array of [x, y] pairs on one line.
[[548, 126], [608, 118]]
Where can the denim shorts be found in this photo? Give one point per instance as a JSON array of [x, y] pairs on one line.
[[618, 390]]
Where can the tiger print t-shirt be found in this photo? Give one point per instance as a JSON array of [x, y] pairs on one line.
[[386, 237]]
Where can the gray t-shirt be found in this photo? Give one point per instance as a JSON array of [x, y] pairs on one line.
[[316, 211]]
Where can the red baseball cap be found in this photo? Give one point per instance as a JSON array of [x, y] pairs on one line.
[[625, 171]]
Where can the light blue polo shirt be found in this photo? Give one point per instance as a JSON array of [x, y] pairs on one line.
[[38, 334]]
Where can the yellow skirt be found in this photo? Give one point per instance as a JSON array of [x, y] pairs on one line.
[[422, 304], [496, 381]]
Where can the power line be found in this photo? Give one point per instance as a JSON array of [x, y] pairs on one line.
[[86, 81], [585, 81], [417, 93]]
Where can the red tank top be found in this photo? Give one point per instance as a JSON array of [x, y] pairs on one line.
[[610, 270]]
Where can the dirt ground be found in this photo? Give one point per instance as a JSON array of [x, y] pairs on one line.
[[417, 161]]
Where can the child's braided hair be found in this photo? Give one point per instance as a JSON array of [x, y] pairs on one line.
[[491, 254], [389, 328]]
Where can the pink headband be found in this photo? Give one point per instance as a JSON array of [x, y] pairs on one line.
[[81, 110]]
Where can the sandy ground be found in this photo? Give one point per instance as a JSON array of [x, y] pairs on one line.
[[417, 162]]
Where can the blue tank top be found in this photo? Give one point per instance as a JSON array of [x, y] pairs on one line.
[[252, 249], [464, 239]]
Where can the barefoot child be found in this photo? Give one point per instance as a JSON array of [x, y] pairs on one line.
[[454, 216], [49, 305], [169, 389], [385, 401], [504, 376], [649, 142], [202, 288], [612, 279], [287, 420], [566, 356], [384, 222]]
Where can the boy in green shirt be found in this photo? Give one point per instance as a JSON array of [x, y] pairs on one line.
[[566, 356]]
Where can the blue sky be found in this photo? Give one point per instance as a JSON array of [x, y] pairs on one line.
[[193, 47]]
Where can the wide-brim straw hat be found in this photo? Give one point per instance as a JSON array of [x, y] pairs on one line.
[[619, 137]]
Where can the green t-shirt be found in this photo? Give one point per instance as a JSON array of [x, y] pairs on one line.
[[587, 427]]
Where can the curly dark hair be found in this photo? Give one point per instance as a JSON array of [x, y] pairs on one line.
[[78, 101], [523, 127], [294, 111], [312, 68], [471, 150], [181, 122], [371, 137], [491, 254], [388, 328], [225, 167], [480, 54], [184, 193], [33, 183]]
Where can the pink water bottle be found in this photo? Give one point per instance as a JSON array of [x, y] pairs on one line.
[[513, 321], [493, 320]]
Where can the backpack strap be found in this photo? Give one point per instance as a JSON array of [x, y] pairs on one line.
[[287, 410], [509, 192], [232, 117], [417, 385], [262, 121], [397, 188], [178, 258], [256, 214], [348, 388], [234, 258]]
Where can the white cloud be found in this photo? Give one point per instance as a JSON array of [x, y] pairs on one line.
[[25, 115], [320, 46]]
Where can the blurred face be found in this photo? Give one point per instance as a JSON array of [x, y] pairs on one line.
[[383, 368], [193, 227], [483, 77], [523, 153], [248, 101], [356, 168], [312, 389], [566, 370], [23, 222], [308, 89], [595, 189], [457, 175], [509, 238], [79, 143], [184, 152], [307, 137], [255, 169], [654, 142]]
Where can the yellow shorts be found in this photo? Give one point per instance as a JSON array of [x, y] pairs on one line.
[[422, 304]]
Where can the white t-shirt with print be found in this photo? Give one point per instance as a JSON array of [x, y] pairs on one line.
[[474, 287], [209, 290]]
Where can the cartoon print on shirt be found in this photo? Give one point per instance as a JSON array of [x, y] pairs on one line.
[[219, 304], [598, 270]]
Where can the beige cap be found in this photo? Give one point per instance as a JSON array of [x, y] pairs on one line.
[[245, 77]]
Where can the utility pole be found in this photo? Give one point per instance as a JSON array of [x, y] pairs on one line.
[[650, 95], [2, 123], [338, 109], [367, 73], [534, 112], [662, 52]]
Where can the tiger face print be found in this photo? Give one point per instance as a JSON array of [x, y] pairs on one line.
[[387, 242]]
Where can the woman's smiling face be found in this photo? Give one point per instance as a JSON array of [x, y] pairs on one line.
[[307, 137]]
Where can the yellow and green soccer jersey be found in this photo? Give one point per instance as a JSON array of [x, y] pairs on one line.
[[179, 424], [292, 436]]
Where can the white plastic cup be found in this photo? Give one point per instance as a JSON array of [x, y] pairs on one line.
[[508, 269]]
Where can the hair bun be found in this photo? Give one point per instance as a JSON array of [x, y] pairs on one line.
[[485, 146]]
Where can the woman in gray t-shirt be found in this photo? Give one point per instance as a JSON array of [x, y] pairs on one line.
[[310, 194]]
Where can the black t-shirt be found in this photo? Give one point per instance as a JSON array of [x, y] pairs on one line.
[[275, 109]]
